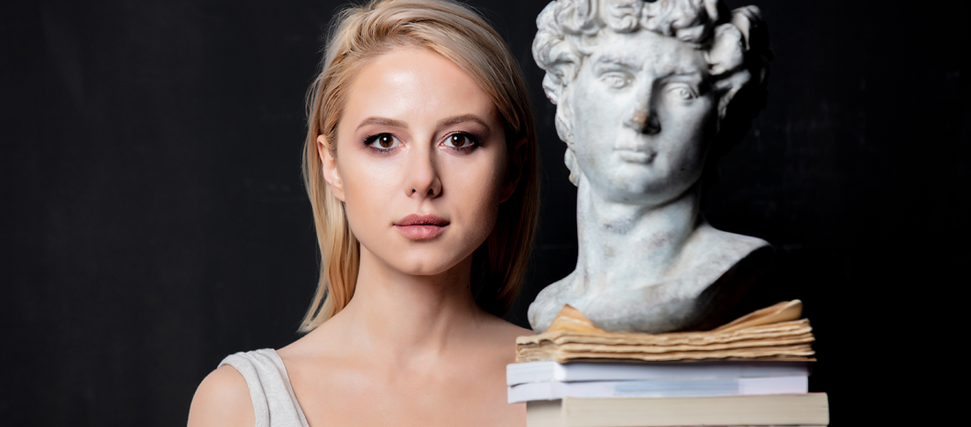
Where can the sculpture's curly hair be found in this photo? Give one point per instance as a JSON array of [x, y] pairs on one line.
[[735, 42]]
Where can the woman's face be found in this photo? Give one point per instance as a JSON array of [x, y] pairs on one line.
[[421, 162]]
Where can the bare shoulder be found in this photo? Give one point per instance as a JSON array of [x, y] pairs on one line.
[[222, 399], [511, 331], [498, 338], [503, 330], [494, 350]]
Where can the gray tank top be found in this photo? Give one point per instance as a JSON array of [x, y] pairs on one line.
[[274, 403]]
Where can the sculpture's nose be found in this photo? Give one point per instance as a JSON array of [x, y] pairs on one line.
[[644, 117], [644, 120]]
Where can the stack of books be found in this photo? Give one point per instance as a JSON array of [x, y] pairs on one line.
[[753, 371]]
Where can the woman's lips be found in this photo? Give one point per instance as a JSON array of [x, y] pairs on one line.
[[421, 227]]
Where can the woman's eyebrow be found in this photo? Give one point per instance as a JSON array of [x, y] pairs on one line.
[[382, 121], [463, 119]]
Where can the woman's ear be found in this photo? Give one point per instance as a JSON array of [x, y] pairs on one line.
[[329, 168], [514, 172]]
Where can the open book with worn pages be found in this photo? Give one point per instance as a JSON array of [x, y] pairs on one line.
[[773, 333]]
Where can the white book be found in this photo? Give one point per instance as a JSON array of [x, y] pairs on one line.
[[547, 371], [659, 388], [811, 409]]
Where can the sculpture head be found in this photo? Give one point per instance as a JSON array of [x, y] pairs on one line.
[[648, 93]]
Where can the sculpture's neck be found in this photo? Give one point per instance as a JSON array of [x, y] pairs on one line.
[[619, 241]]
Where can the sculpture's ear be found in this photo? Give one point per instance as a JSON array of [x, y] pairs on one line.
[[557, 78], [564, 129], [570, 158], [563, 118], [329, 168], [552, 88], [728, 87], [561, 64]]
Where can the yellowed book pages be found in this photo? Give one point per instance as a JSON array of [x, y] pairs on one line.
[[765, 332], [800, 353], [781, 312], [773, 333]]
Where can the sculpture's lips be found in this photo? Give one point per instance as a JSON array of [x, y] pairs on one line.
[[635, 155], [421, 227]]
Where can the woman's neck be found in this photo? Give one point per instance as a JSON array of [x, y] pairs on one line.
[[410, 317]]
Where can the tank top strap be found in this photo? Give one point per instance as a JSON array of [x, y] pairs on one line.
[[274, 403]]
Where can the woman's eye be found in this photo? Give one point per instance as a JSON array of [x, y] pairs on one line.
[[382, 141], [616, 80], [460, 140]]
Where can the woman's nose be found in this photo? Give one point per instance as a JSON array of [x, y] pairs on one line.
[[423, 179]]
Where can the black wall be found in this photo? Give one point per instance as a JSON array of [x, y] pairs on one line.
[[153, 219]]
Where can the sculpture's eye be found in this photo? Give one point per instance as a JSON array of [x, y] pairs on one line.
[[616, 79], [683, 92]]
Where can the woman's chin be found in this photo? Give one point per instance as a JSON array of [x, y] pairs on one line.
[[426, 268], [425, 262]]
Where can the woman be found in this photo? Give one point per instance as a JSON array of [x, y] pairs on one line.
[[420, 164]]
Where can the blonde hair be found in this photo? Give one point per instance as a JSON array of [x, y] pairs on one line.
[[462, 36]]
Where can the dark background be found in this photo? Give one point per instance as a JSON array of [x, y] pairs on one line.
[[153, 218]]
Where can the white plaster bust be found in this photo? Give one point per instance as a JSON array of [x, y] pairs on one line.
[[644, 93]]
